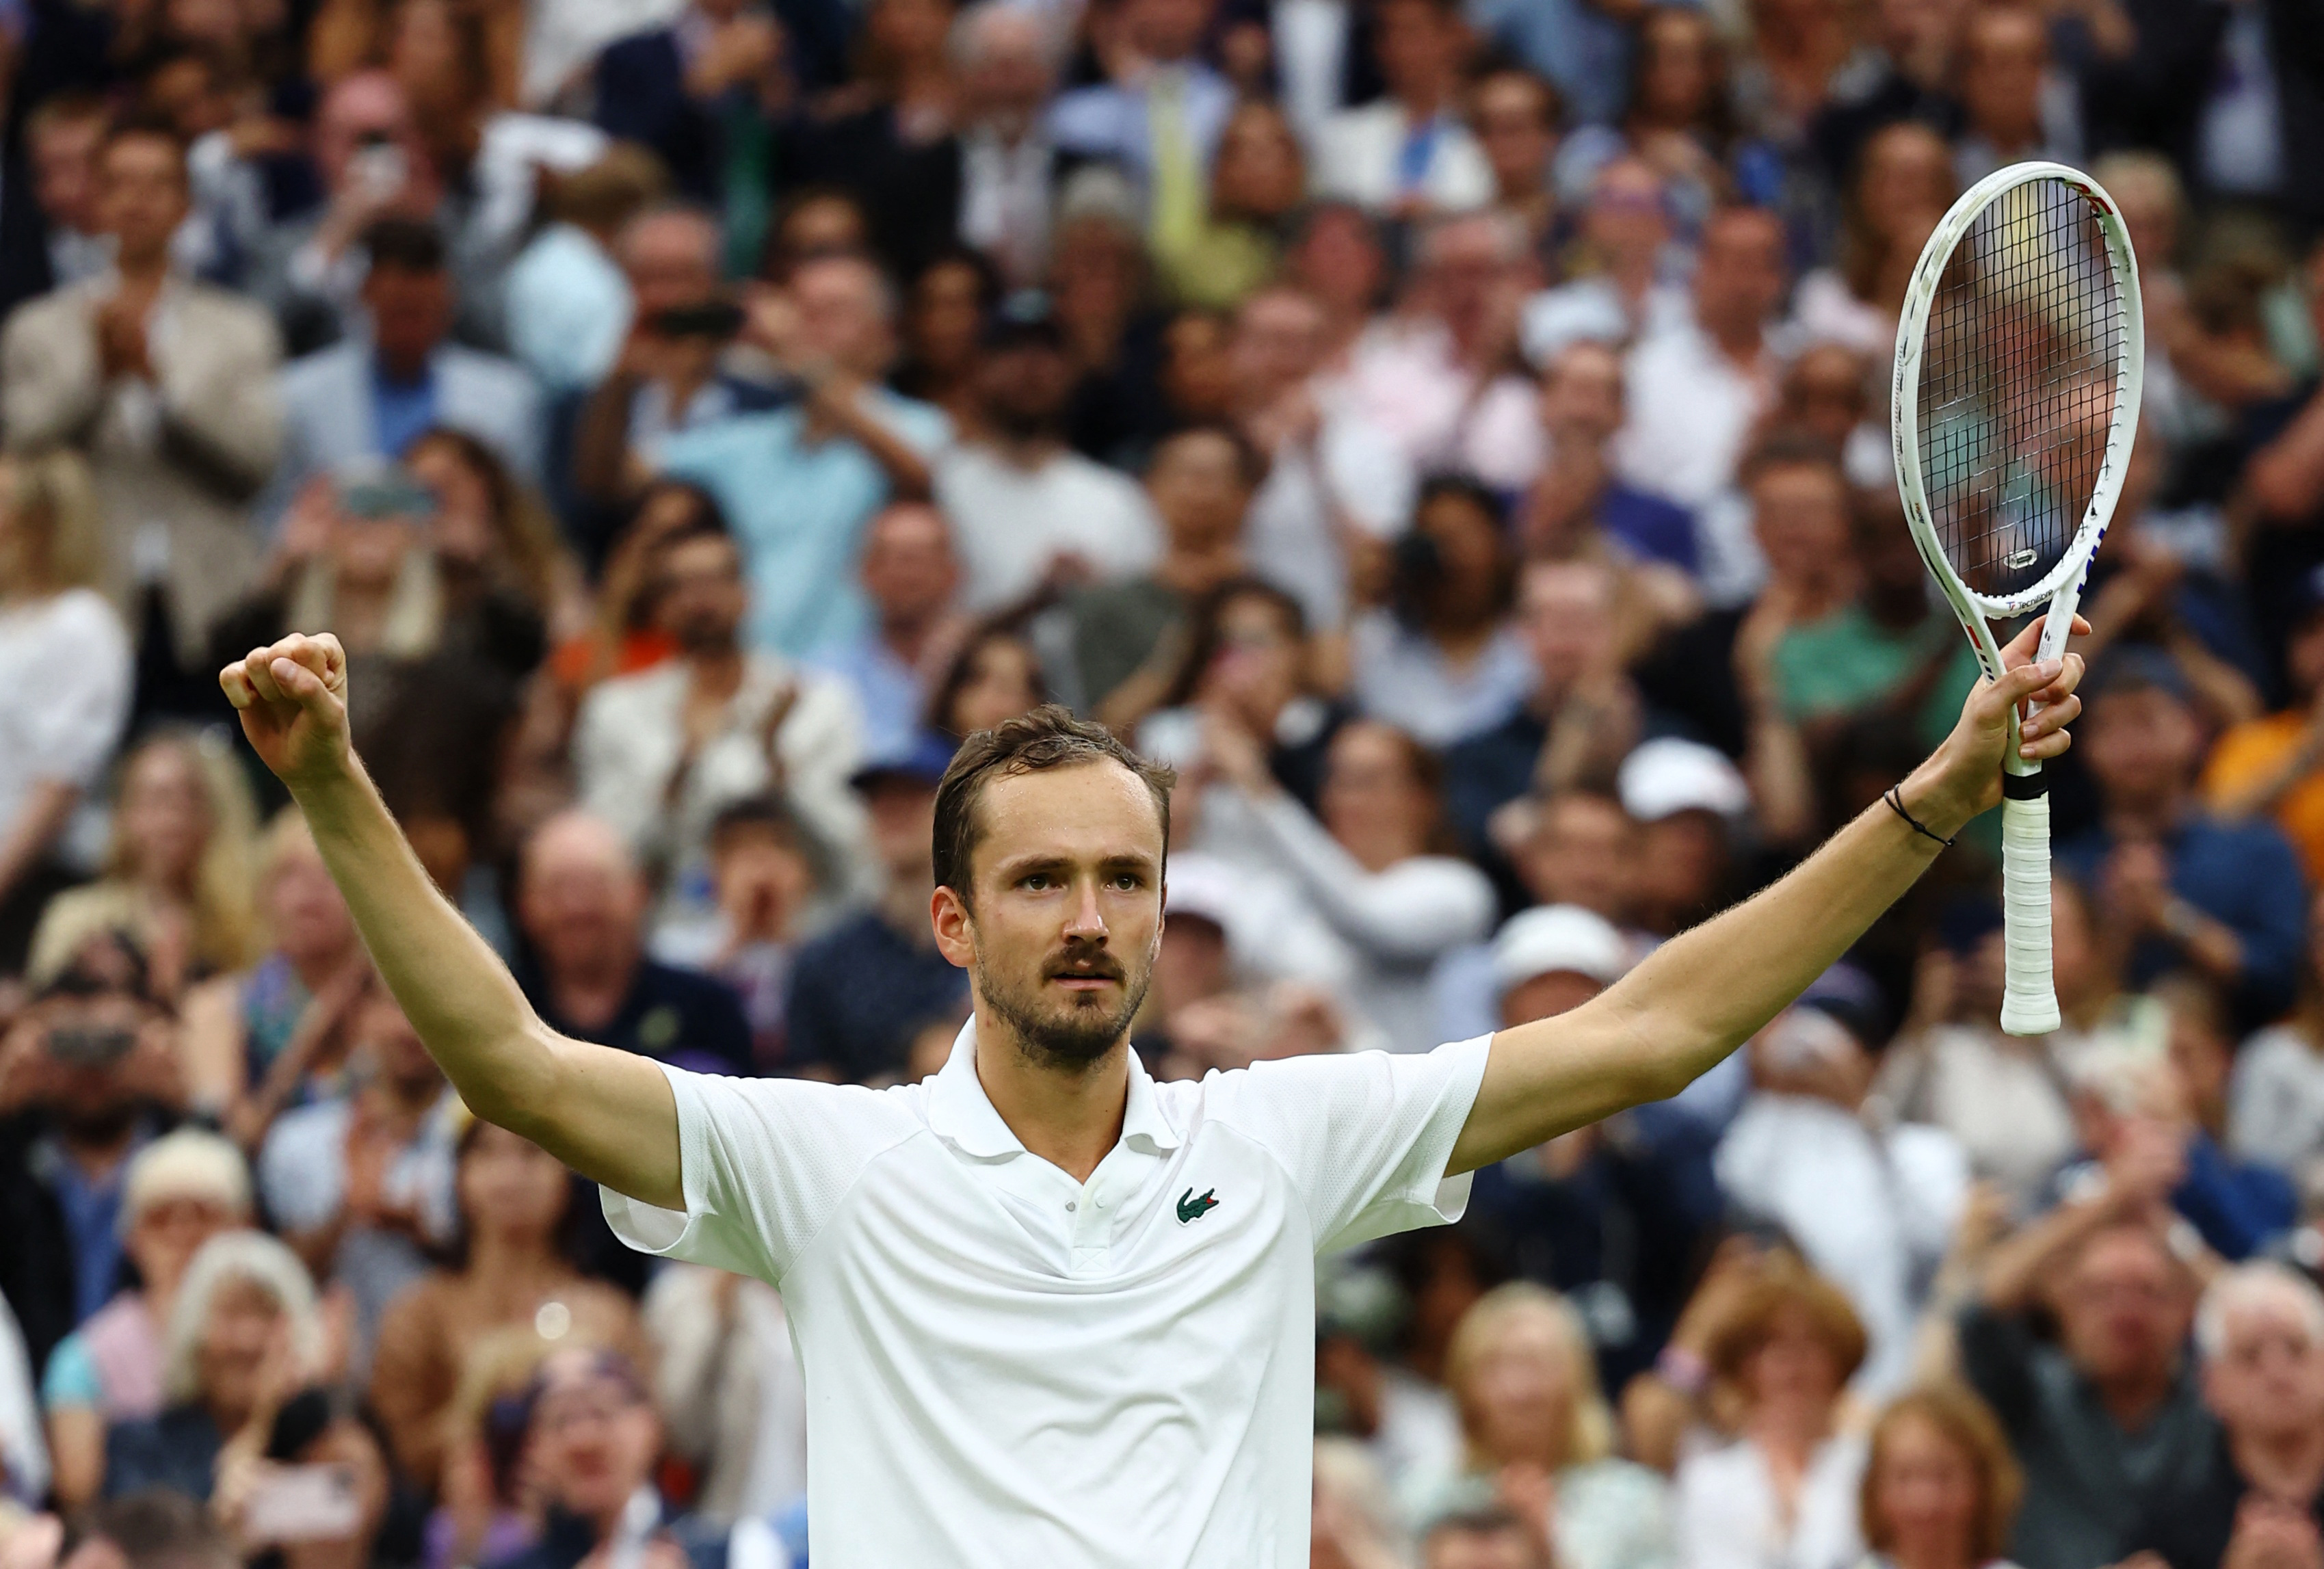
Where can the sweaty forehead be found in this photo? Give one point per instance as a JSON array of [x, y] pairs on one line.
[[1087, 812]]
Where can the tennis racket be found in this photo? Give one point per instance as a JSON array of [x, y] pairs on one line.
[[2018, 363]]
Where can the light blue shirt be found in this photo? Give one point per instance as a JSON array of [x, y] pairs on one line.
[[568, 309], [889, 691], [798, 509]]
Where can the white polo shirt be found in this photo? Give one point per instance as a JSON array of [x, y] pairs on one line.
[[1007, 1368]]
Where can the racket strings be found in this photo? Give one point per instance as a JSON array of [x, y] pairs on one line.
[[2018, 385]]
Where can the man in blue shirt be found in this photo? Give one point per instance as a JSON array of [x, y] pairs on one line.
[[798, 484], [2223, 898]]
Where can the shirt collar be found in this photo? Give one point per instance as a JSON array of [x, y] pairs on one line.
[[961, 1113]]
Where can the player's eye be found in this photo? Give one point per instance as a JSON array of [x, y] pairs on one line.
[[1036, 882], [1128, 882]]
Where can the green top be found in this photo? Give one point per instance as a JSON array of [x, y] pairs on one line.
[[1846, 663]]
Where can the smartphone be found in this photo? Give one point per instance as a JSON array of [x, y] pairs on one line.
[[389, 496], [304, 1504], [719, 319], [378, 168]]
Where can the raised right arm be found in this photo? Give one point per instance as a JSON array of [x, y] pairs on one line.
[[608, 1114]]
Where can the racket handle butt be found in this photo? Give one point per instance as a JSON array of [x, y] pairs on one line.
[[2029, 1003]]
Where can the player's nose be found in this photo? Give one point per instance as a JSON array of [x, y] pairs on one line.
[[1085, 921]]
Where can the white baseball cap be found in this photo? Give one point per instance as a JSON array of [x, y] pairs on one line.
[[1202, 888], [1558, 938], [1667, 776]]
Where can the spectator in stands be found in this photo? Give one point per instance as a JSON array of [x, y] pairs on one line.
[[165, 383], [511, 587], [1514, 116], [945, 310], [237, 1026], [1027, 512], [767, 873], [861, 990], [581, 901], [1408, 153], [1687, 799], [1249, 656], [372, 398], [513, 1202], [996, 675], [657, 754], [1584, 715], [1786, 1491], [1576, 847], [2010, 96], [593, 1440], [1129, 634], [1370, 885], [1940, 1488], [179, 1192], [569, 303], [1580, 505], [176, 873], [1540, 1437], [1436, 374], [1234, 244], [2109, 1415], [1336, 489], [697, 88], [1442, 660], [2181, 885], [1625, 257], [912, 576], [1872, 1207], [1493, 1538], [2260, 1333], [2276, 1100], [1161, 124], [1007, 60], [1902, 185], [360, 1183], [2274, 766], [245, 1336], [669, 374], [65, 678], [798, 484], [1696, 390], [62, 139]]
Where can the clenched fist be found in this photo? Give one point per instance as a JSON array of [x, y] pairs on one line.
[[292, 696]]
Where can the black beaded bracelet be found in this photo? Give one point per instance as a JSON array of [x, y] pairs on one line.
[[1895, 799]]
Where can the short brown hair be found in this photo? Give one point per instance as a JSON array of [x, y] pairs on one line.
[[1048, 737], [1787, 1283], [1953, 1409]]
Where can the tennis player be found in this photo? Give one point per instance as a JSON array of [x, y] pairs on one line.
[[1054, 1315]]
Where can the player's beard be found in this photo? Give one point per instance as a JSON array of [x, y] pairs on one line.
[[1073, 1033]]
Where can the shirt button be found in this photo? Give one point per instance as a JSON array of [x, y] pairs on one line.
[[1071, 1204]]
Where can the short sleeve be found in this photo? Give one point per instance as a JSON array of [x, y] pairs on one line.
[[71, 1379], [1365, 1136], [763, 1164]]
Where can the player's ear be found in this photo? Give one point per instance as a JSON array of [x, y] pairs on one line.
[[954, 926]]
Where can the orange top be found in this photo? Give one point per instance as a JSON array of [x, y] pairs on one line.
[[2258, 747]]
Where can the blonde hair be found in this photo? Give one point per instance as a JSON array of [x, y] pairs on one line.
[[1953, 1409], [1785, 1283], [190, 1163], [224, 893], [53, 493], [225, 1259], [1590, 1435], [413, 627]]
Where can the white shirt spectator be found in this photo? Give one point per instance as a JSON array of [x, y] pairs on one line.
[[1825, 310], [631, 737], [1689, 410], [1872, 1209], [1022, 1354], [24, 1452], [1730, 1516], [728, 1377], [1350, 471], [1403, 679], [2001, 1096], [2276, 1100], [1359, 154], [65, 678], [1008, 523]]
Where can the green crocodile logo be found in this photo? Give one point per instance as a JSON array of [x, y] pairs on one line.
[[1191, 1208]]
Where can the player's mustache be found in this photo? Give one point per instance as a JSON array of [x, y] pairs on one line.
[[1091, 963]]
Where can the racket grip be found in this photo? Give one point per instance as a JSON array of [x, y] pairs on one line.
[[2029, 1003]]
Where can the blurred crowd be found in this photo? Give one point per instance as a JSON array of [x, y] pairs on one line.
[[1451, 432]]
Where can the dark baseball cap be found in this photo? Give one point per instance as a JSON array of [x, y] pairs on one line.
[[921, 763]]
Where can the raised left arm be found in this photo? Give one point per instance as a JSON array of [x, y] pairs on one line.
[[1702, 994]]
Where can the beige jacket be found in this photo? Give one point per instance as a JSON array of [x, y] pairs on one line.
[[186, 452]]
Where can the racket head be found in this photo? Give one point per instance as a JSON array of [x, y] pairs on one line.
[[2019, 358]]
